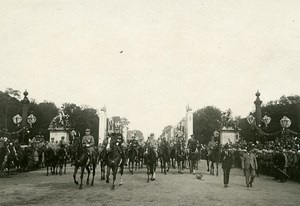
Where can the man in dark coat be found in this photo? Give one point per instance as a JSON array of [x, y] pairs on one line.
[[279, 161], [227, 161]]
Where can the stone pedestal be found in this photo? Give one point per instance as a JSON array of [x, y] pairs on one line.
[[58, 133], [228, 135]]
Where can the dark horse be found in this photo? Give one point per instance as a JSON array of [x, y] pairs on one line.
[[164, 157], [49, 160], [150, 161], [81, 160], [214, 156], [133, 155], [140, 158], [180, 156], [193, 158], [173, 156], [114, 160]]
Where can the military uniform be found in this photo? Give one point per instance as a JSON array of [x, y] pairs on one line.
[[88, 142], [193, 145]]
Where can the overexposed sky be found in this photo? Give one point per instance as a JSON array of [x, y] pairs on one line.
[[147, 59]]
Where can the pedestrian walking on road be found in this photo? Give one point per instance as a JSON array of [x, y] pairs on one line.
[[249, 165], [227, 161]]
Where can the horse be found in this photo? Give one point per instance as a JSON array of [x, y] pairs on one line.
[[193, 158], [114, 161], [49, 159], [214, 156], [61, 160], [81, 158], [140, 158], [102, 162], [181, 157], [164, 156], [150, 161], [173, 156], [132, 158]]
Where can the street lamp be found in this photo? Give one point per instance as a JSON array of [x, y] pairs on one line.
[[31, 119], [266, 120], [251, 119], [285, 122], [17, 119]]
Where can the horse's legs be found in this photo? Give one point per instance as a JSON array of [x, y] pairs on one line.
[[60, 168], [81, 177], [88, 177], [194, 167], [107, 174], [121, 173], [94, 172], [207, 162], [74, 174], [65, 170], [115, 170], [102, 171], [212, 168]]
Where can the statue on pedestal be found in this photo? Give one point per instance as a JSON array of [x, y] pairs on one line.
[[60, 121]]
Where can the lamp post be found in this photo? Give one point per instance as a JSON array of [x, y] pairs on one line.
[[24, 120], [31, 119]]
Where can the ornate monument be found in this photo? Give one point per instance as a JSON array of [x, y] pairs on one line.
[[229, 130], [60, 127]]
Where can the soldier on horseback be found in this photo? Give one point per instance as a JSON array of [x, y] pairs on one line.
[[88, 142], [134, 144], [211, 145], [150, 143]]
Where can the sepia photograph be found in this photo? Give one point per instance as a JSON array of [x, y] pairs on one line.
[[149, 102]]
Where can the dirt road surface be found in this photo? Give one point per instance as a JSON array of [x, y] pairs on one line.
[[35, 188]]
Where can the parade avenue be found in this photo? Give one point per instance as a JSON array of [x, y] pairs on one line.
[[35, 188]]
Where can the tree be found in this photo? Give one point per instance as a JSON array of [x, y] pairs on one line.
[[206, 121]]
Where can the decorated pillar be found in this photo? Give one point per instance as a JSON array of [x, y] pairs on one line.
[[188, 123], [25, 104], [258, 109], [102, 125]]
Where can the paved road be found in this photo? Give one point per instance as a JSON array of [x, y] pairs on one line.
[[35, 188]]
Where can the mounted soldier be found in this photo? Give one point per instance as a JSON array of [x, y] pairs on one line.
[[134, 144], [150, 143], [193, 146], [211, 145], [88, 142]]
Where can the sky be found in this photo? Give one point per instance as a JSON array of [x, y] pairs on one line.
[[146, 60]]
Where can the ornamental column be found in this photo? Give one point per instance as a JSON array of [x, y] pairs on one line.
[[258, 109], [188, 123], [25, 105], [102, 125]]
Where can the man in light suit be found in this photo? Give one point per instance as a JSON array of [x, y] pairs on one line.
[[249, 165]]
